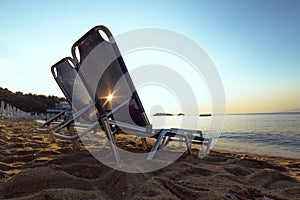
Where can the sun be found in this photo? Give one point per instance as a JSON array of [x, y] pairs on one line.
[[109, 97]]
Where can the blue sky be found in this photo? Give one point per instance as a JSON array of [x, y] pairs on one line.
[[255, 45]]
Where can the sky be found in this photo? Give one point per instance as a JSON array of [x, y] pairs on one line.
[[255, 45]]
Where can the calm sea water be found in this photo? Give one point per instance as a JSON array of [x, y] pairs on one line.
[[266, 134]]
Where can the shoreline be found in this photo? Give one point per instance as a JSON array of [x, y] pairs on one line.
[[217, 149], [247, 154], [267, 151]]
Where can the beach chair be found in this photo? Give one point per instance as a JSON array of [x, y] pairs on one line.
[[64, 80], [102, 70], [64, 73]]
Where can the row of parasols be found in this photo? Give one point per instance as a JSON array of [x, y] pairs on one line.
[[8, 111]]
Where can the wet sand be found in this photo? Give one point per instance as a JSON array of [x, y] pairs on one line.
[[31, 167]]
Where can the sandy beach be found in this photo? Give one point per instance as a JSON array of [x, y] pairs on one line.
[[31, 167]]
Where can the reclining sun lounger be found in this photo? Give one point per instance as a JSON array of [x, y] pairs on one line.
[[106, 87], [106, 78], [64, 73]]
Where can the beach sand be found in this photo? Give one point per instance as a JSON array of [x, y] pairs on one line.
[[31, 167]]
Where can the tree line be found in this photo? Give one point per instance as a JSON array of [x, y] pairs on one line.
[[29, 102]]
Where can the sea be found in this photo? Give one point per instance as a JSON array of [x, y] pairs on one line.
[[271, 134]]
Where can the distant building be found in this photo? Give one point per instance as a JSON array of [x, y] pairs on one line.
[[62, 105]]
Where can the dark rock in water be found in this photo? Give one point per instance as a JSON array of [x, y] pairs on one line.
[[162, 114], [205, 115]]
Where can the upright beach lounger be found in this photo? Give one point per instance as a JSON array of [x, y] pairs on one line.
[[65, 73], [104, 73]]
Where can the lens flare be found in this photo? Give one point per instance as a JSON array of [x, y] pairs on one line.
[[109, 97]]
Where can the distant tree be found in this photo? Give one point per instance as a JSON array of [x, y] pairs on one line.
[[29, 102]]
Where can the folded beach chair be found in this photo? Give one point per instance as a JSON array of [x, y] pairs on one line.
[[2, 110], [102, 70]]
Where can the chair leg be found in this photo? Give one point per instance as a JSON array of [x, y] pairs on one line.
[[162, 143], [188, 146], [107, 140], [144, 143], [167, 141], [208, 146], [52, 137], [156, 145], [75, 142], [110, 136], [202, 154]]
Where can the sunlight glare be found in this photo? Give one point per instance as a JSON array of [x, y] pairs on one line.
[[109, 97]]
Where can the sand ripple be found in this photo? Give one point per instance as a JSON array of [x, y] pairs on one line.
[[31, 167]]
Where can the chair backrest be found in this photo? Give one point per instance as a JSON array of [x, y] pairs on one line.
[[104, 72], [65, 74]]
